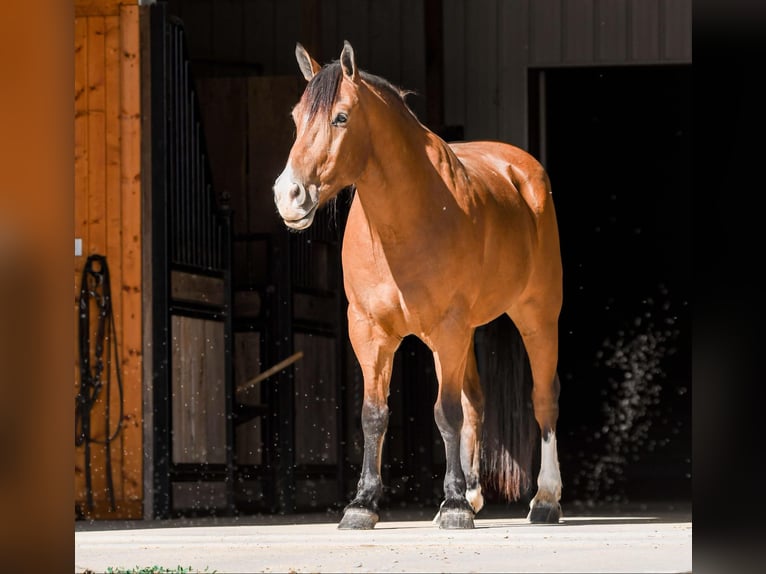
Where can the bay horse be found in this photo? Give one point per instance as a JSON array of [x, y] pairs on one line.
[[440, 239]]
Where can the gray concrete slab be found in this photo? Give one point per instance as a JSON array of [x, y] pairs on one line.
[[658, 540]]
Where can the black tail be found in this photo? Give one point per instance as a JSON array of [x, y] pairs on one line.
[[510, 430]]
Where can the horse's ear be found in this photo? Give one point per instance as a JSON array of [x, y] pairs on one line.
[[347, 62], [309, 67]]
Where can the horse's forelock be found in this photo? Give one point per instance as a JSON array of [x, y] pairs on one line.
[[322, 91]]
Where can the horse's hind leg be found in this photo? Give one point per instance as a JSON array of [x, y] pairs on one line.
[[375, 351], [470, 437], [541, 342]]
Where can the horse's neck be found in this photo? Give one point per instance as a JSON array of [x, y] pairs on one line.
[[404, 185]]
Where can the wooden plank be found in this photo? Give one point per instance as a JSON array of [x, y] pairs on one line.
[[112, 191], [80, 141], [228, 31], [198, 405], [611, 33], [316, 400], [80, 203], [96, 138], [196, 288], [259, 44], [353, 25], [223, 104], [287, 24], [247, 364], [385, 41], [454, 62], [413, 60], [83, 8], [198, 24], [96, 222], [311, 27], [578, 31], [130, 177], [481, 74], [677, 30], [513, 58], [270, 137], [644, 22], [545, 40]]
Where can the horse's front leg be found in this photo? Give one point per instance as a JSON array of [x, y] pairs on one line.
[[375, 351], [451, 346]]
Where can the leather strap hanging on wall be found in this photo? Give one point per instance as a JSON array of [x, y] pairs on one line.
[[95, 289]]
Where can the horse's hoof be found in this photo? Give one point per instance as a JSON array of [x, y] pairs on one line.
[[358, 519], [453, 518], [545, 513]]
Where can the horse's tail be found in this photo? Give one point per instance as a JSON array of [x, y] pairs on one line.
[[510, 429]]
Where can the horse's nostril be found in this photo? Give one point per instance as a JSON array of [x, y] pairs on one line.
[[295, 191]]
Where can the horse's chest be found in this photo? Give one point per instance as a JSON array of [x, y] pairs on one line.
[[407, 292]]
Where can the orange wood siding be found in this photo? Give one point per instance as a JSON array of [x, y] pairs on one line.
[[107, 212]]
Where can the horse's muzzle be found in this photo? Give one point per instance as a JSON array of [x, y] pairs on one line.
[[295, 202]]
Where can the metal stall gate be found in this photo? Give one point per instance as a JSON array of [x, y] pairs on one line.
[[191, 297], [249, 334]]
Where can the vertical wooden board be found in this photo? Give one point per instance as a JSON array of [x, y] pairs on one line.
[[413, 61], [330, 41], [270, 136], [545, 32], [677, 31], [481, 70], [611, 32], [223, 104], [247, 364], [80, 139], [249, 442], [315, 400], [198, 413], [385, 47], [96, 138], [80, 199], [644, 17], [130, 178], [310, 33], [454, 62], [259, 34], [214, 392], [286, 21], [353, 25], [114, 216], [185, 355], [198, 25], [513, 57], [227, 31], [578, 31]]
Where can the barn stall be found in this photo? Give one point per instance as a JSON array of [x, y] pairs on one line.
[[182, 124]]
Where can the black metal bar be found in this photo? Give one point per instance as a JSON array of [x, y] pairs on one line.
[[160, 284]]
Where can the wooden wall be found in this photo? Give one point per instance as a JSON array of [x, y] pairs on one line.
[[489, 45], [107, 209]]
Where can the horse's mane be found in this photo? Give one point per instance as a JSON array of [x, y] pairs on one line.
[[322, 90]]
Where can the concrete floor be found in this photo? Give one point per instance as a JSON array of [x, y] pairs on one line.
[[647, 538]]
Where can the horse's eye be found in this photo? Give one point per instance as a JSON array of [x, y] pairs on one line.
[[340, 119]]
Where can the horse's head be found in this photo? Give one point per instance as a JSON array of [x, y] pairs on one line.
[[331, 144]]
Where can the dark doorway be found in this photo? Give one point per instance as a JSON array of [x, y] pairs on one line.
[[617, 145]]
